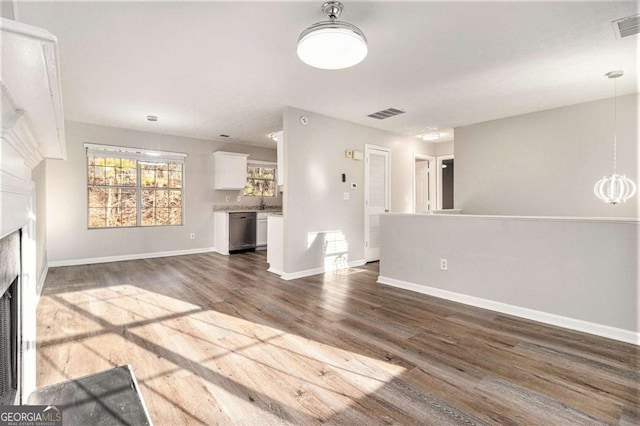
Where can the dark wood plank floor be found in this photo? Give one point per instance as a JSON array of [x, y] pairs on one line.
[[218, 340]]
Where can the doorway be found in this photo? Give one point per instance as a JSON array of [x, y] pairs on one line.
[[424, 183], [445, 182], [376, 197]]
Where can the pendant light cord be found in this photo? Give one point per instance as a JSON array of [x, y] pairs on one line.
[[615, 122]]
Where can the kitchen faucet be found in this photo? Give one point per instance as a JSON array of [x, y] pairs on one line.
[[263, 205]]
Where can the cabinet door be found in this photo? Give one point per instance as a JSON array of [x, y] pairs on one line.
[[261, 235], [234, 171], [230, 170]]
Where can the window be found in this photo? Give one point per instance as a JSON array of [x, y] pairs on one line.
[[131, 187], [261, 180]]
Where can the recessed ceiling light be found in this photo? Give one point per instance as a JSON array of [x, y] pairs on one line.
[[152, 118]]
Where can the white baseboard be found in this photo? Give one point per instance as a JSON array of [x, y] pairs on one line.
[[274, 271], [92, 260], [614, 333], [316, 271]]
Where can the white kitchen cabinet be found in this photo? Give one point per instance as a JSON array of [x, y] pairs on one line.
[[230, 170], [275, 252], [221, 232], [280, 157], [261, 231]]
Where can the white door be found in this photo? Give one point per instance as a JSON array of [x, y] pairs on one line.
[[376, 198], [424, 184]]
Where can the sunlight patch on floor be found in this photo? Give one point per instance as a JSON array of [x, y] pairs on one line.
[[174, 345]]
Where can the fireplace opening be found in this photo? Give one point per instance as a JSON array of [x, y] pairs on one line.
[[9, 344], [10, 318]]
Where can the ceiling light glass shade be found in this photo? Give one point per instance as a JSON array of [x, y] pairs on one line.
[[614, 189], [431, 136], [332, 45]]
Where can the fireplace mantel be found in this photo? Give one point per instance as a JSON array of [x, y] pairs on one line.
[[32, 125], [32, 129], [32, 115]]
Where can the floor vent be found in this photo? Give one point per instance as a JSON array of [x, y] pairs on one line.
[[389, 112], [626, 27]]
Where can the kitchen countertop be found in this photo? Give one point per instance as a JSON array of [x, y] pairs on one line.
[[235, 209]]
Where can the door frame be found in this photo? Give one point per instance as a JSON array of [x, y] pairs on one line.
[[432, 182], [439, 161], [367, 149]]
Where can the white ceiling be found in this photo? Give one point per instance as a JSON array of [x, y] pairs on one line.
[[211, 68]]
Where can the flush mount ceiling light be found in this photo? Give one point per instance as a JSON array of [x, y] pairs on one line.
[[433, 136], [332, 45], [615, 188]]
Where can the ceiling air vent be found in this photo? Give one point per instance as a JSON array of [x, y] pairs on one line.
[[626, 27], [381, 115]]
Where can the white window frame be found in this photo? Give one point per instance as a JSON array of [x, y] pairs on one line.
[[269, 164], [141, 155]]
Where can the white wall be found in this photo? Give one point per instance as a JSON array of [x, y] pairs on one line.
[[546, 163], [562, 271], [313, 195], [444, 148], [68, 238]]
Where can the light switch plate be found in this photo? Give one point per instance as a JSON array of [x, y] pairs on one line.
[[345, 196], [348, 153]]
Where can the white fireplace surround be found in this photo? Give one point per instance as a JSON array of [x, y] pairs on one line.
[[32, 130]]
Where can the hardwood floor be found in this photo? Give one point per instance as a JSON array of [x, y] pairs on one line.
[[218, 340]]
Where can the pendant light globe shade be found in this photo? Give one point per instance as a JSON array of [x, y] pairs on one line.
[[332, 44], [614, 189]]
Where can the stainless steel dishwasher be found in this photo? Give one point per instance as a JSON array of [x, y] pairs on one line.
[[242, 231]]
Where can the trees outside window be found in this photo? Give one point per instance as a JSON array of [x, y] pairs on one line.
[[261, 181], [128, 192]]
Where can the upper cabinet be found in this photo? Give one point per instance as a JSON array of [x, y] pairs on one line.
[[279, 136], [230, 170]]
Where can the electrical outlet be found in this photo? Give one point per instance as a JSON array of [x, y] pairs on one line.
[[192, 236], [238, 198], [227, 199], [443, 264]]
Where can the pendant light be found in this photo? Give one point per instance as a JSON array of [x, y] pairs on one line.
[[615, 188], [332, 45]]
